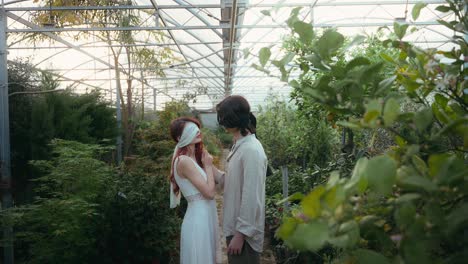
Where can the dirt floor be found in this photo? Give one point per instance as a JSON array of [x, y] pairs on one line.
[[267, 255]]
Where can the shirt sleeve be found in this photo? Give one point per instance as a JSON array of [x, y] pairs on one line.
[[252, 207]]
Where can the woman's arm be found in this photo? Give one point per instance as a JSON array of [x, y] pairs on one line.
[[186, 169]]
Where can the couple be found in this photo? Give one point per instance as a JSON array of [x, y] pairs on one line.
[[194, 175]]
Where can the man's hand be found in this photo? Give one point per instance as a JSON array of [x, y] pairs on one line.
[[235, 246]]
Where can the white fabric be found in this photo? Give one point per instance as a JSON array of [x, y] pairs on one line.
[[199, 241], [244, 191], [188, 135]]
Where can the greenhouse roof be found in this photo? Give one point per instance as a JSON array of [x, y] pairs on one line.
[[214, 42]]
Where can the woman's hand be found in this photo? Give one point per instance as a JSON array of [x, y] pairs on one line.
[[207, 159]]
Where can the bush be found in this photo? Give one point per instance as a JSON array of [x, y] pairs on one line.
[[90, 212], [290, 137], [36, 119]]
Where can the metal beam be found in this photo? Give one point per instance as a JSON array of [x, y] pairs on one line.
[[212, 6], [184, 28], [182, 78], [119, 45], [202, 19]]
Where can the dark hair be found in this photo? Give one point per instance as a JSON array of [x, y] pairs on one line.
[[176, 130], [234, 112]]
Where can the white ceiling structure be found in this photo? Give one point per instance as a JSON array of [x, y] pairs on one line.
[[209, 38]]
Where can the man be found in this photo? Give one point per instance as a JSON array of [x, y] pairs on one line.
[[244, 183]]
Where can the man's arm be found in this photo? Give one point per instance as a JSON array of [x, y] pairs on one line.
[[219, 178]]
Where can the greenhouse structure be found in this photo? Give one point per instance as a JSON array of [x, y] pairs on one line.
[[361, 108]]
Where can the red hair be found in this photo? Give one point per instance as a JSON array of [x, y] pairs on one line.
[[177, 128]]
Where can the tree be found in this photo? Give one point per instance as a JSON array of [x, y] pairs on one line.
[[130, 62]]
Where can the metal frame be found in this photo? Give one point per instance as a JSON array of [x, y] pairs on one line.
[[219, 74]]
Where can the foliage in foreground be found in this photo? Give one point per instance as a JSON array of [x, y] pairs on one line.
[[408, 205]]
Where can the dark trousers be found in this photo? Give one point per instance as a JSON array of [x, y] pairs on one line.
[[247, 256]]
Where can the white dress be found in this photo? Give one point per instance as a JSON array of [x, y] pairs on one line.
[[199, 242]]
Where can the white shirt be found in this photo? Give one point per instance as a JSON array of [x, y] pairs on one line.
[[244, 191]]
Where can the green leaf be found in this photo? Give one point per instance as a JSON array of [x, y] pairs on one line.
[[408, 197], [415, 182], [371, 116], [351, 230], [297, 196], [311, 236], [417, 9], [381, 172], [438, 164], [329, 43], [400, 29], [260, 68], [359, 178], [349, 124], [357, 62], [391, 111], [387, 57], [445, 23], [294, 84], [384, 85], [404, 215], [457, 218], [441, 100], [264, 55], [317, 62], [419, 164], [266, 12], [365, 256], [333, 179], [305, 31], [423, 119], [348, 235], [400, 141], [284, 74], [246, 52], [293, 16], [334, 197], [357, 40], [287, 228], [443, 9], [311, 203], [287, 58]]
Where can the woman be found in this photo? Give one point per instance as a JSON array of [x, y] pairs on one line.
[[192, 175]]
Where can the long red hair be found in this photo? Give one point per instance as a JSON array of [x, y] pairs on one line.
[[177, 128]]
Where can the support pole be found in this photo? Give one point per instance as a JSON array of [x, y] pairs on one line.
[[119, 124], [285, 173], [5, 164]]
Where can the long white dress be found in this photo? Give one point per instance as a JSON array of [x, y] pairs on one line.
[[199, 242]]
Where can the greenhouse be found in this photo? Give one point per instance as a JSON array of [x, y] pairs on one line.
[[359, 106]]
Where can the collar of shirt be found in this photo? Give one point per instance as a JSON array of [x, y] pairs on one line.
[[237, 144]]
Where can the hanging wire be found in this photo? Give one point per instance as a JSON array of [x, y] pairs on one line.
[[406, 9]]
